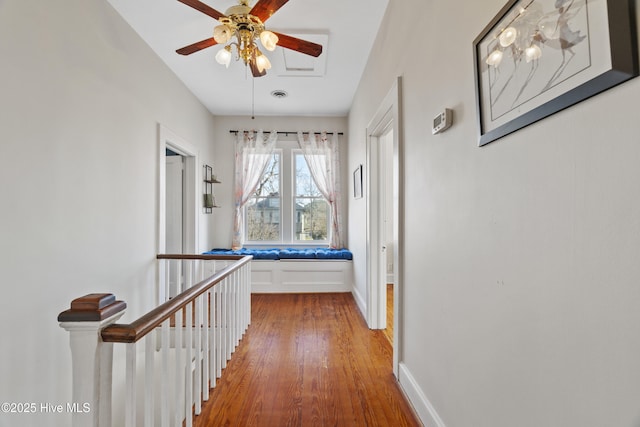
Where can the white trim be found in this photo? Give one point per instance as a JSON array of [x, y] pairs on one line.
[[357, 296], [389, 115], [169, 139], [301, 275], [423, 407]]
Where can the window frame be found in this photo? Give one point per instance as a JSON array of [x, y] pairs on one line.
[[286, 151], [294, 196]]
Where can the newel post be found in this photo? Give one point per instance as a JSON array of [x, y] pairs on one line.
[[91, 358]]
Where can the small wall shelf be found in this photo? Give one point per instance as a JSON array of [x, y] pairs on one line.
[[209, 199]]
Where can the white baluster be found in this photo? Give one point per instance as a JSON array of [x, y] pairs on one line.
[[130, 387], [218, 332], [149, 379], [164, 391], [206, 298], [188, 365], [197, 386], [212, 339], [179, 388]]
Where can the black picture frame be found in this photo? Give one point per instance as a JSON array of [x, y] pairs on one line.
[[593, 22]]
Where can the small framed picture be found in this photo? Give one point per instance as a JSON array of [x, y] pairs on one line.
[[357, 182]]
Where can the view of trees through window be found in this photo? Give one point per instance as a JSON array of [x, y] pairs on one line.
[[263, 209], [309, 209]]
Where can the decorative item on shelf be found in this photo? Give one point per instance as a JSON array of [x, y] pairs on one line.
[[209, 200]]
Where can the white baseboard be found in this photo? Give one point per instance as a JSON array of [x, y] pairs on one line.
[[359, 301], [425, 410]]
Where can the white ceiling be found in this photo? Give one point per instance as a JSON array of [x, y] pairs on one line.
[[325, 87]]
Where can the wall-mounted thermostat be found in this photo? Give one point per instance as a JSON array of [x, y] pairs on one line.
[[442, 121]]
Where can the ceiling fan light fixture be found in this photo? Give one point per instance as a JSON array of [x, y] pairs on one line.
[[262, 62], [222, 34], [269, 40], [241, 26], [223, 57]]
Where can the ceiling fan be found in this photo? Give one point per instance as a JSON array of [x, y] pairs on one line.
[[246, 24]]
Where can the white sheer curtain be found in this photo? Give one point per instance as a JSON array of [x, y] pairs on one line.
[[321, 154], [253, 153]]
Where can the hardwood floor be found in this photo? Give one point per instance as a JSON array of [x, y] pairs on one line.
[[388, 332], [308, 360]]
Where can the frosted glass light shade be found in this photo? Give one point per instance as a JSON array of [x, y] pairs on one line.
[[262, 62], [269, 40], [222, 34], [223, 57]]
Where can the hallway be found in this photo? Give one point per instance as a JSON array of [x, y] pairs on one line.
[[308, 360]]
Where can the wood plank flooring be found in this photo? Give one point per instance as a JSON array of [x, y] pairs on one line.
[[388, 332], [308, 360]]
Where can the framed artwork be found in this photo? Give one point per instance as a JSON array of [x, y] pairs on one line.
[[537, 57], [357, 182]]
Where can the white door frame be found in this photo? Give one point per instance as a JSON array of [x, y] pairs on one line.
[[387, 117], [168, 139]]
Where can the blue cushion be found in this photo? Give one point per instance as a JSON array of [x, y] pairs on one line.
[[261, 253], [326, 253], [291, 253], [288, 253]]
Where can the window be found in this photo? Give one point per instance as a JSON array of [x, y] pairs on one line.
[[311, 208], [287, 207], [262, 211]]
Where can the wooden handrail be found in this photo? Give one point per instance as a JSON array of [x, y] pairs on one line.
[[201, 256], [133, 332]]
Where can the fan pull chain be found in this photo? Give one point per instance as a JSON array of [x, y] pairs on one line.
[[253, 98]]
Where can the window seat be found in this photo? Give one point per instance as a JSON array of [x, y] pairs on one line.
[[287, 253], [293, 270]]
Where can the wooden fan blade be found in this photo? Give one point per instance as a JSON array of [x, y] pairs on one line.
[[255, 71], [299, 45], [202, 44], [207, 10], [265, 8]]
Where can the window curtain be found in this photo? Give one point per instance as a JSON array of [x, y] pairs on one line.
[[321, 155], [252, 155]]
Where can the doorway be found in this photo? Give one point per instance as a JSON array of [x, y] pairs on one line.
[[177, 202], [175, 213], [174, 203], [384, 213]]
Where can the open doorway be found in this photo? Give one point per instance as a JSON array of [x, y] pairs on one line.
[[384, 213], [175, 213], [177, 202], [385, 144], [175, 205]]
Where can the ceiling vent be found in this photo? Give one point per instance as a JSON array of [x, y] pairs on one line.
[[292, 63]]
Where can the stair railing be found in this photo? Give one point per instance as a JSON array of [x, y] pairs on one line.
[[174, 353]]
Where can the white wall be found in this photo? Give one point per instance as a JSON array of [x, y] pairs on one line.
[[81, 97], [224, 153], [521, 272]]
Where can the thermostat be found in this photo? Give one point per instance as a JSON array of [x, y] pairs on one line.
[[442, 121]]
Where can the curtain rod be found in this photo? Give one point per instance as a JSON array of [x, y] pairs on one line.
[[287, 133]]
